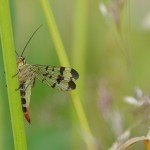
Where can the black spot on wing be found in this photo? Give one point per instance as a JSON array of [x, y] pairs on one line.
[[71, 85], [53, 86], [53, 68], [43, 80], [75, 74], [62, 69], [59, 79], [46, 68], [45, 74], [33, 82], [50, 76]]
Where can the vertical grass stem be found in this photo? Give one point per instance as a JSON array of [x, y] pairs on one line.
[[64, 61], [12, 83]]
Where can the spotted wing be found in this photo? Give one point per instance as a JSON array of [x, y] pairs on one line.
[[61, 78]]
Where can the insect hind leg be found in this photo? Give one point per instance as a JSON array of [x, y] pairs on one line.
[[18, 87]]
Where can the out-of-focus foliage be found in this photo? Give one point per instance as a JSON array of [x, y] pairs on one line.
[[117, 59]]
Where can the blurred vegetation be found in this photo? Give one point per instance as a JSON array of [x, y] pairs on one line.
[[115, 59]]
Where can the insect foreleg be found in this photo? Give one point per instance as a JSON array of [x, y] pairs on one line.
[[15, 75]]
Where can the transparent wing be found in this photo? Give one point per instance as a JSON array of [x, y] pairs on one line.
[[28, 85], [25, 92], [61, 78], [26, 79]]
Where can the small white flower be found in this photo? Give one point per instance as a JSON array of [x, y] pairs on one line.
[[133, 101], [139, 99]]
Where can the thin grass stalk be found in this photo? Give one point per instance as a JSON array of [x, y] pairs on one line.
[[79, 40], [2, 93], [87, 135], [10, 67], [5, 125], [79, 47]]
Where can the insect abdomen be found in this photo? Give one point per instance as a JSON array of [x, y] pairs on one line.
[[24, 101]]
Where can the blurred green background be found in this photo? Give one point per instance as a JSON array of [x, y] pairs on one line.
[[114, 42]]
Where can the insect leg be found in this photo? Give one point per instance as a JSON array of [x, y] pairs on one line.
[[15, 75], [18, 87]]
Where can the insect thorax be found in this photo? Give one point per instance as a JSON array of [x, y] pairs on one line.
[[24, 71], [21, 61]]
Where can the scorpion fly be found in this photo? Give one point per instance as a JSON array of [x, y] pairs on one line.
[[61, 78]]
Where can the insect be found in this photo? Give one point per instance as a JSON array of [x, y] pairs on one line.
[[61, 78]]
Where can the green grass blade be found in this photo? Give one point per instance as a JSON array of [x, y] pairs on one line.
[[5, 127], [79, 40], [10, 70], [87, 135], [55, 33], [2, 96]]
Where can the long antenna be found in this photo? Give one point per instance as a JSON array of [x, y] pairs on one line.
[[30, 39], [17, 53]]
